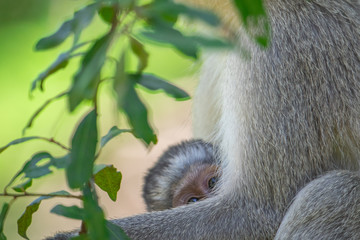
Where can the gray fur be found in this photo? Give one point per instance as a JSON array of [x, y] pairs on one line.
[[327, 208], [284, 117], [164, 176]]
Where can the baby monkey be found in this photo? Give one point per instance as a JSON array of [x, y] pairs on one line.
[[185, 173]]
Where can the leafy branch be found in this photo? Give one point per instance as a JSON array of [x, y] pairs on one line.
[[133, 24]]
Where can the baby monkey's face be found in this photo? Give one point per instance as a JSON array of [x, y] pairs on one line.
[[198, 183]]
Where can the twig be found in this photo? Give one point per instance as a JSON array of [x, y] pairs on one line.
[[52, 140], [42, 108], [17, 195]]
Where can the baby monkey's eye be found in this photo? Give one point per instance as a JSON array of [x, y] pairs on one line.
[[212, 181], [193, 200]]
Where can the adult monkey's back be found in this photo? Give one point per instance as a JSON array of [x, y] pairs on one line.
[[282, 117]]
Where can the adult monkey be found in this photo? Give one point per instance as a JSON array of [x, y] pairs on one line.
[[282, 118]]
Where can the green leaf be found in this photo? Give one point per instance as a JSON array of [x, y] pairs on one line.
[[26, 218], [166, 34], [82, 153], [23, 186], [81, 20], [109, 179], [158, 12], [188, 45], [122, 3], [155, 83], [250, 8], [61, 162], [62, 192], [195, 13], [60, 63], [18, 141], [211, 42], [170, 10], [139, 51], [73, 212], [255, 19], [57, 38], [94, 216], [2, 236], [125, 3], [130, 103], [116, 232], [4, 211], [120, 83], [31, 169], [86, 80], [114, 131], [138, 116], [107, 13]]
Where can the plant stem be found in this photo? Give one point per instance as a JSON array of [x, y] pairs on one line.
[[52, 140], [17, 195], [42, 108]]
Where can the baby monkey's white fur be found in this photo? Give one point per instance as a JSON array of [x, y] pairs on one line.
[[286, 116]]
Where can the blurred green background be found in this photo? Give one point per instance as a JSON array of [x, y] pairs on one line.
[[22, 23]]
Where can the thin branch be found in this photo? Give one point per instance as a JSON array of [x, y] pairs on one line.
[[42, 108], [26, 194], [52, 140], [75, 47]]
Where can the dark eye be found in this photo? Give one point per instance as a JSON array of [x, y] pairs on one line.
[[193, 200], [212, 181]]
